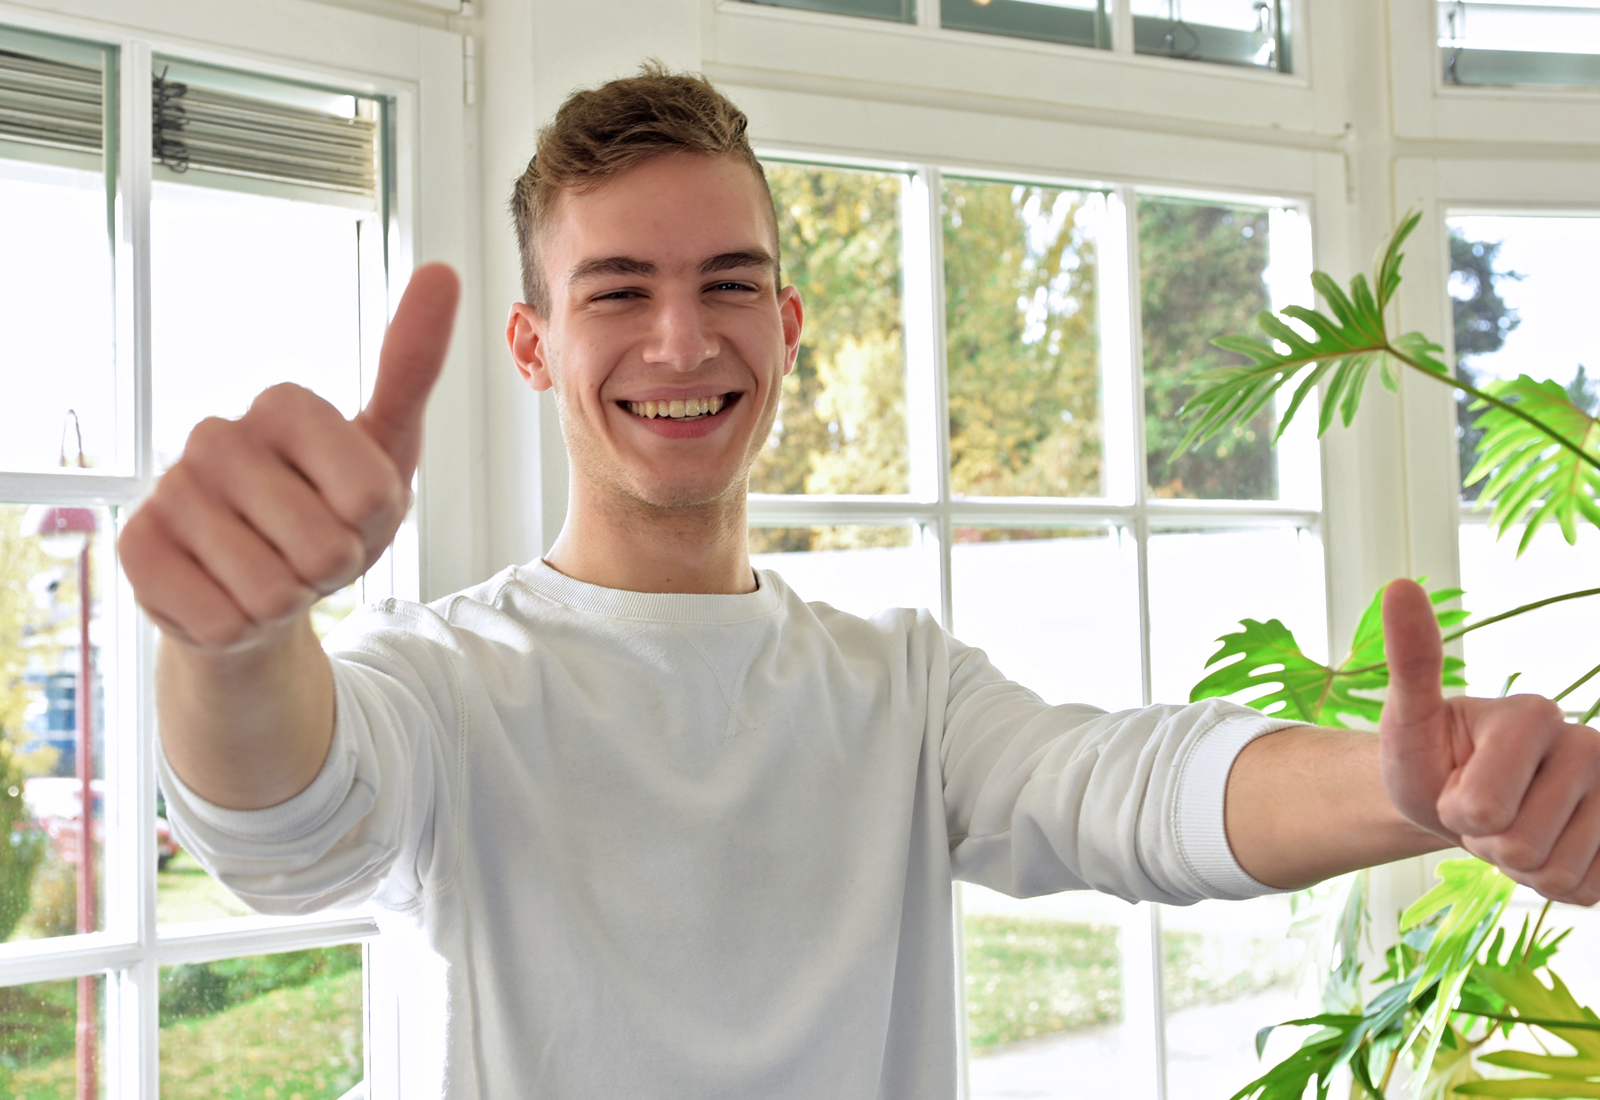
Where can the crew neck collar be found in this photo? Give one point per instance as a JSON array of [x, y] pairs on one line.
[[682, 607]]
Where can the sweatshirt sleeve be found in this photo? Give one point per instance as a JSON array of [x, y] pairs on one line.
[[376, 819], [1041, 798]]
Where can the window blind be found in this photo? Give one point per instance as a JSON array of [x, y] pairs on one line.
[[222, 131], [49, 102]]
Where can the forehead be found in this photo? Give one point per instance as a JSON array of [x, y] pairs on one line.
[[674, 209]]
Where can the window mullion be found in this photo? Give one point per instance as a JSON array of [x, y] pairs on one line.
[[132, 1000]]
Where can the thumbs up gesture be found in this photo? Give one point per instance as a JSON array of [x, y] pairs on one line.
[[264, 515], [1510, 780]]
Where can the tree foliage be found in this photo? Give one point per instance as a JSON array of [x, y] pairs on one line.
[[21, 849], [1482, 323], [1200, 273], [1022, 351]]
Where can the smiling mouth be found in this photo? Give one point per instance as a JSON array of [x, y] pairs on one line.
[[692, 408]]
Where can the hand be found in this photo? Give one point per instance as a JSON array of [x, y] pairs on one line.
[[264, 515], [1510, 780]]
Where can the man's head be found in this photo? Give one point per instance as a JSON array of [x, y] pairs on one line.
[[601, 132], [653, 309]]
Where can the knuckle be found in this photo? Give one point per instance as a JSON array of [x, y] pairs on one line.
[[335, 558], [1480, 814], [273, 601]]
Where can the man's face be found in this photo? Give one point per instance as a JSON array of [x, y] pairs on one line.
[[667, 337]]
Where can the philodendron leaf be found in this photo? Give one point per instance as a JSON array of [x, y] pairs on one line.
[[1528, 478], [1339, 350], [1517, 983], [1317, 1059], [1466, 906], [1265, 658]]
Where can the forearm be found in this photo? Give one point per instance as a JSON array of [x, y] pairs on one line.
[[247, 729], [1305, 804]]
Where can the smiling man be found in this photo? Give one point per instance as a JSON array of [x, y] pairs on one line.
[[676, 832]]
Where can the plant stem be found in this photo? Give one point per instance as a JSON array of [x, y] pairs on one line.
[[1388, 1070], [1575, 685], [1527, 952], [1532, 1021], [1492, 619], [1504, 406], [1588, 715]]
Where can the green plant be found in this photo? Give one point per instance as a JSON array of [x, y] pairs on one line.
[[1451, 983]]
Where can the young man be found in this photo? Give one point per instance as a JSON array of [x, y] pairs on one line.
[[675, 832]]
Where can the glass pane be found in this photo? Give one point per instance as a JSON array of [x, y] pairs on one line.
[[1203, 273], [857, 569], [1550, 647], [1046, 989], [842, 425], [1022, 338], [224, 330], [1203, 582], [1077, 22], [1228, 32], [44, 757], [1230, 968], [49, 1049], [1516, 42], [271, 1026], [1056, 609], [1522, 297], [901, 11], [56, 308]]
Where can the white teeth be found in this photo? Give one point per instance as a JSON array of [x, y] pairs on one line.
[[682, 409]]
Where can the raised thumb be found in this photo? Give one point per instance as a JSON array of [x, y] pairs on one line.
[[414, 348], [1414, 651]]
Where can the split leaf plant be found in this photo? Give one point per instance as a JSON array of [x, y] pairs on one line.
[[1451, 984]]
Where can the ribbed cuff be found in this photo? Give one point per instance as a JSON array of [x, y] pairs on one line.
[[1198, 809]]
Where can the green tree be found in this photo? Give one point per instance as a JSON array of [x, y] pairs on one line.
[[1200, 270], [1024, 378], [842, 424], [1482, 323], [20, 848]]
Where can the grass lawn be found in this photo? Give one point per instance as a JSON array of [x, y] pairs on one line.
[[1030, 978], [302, 1043], [184, 892]]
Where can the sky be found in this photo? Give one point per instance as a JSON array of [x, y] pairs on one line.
[[1558, 296]]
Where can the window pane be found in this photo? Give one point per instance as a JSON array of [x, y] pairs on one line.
[[1203, 582], [1522, 296], [1047, 988], [1022, 339], [269, 1026], [42, 873], [44, 1041], [901, 11], [1203, 273], [842, 425], [857, 569], [224, 330], [1229, 32], [1548, 647], [1514, 42], [1230, 968], [1077, 22], [56, 309], [1056, 609]]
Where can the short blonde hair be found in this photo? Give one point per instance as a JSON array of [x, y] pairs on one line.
[[600, 132]]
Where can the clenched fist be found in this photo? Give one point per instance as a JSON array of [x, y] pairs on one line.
[[264, 515]]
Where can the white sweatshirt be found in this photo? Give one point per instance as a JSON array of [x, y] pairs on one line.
[[701, 847]]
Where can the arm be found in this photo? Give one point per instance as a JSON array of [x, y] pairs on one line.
[[1510, 780], [255, 522]]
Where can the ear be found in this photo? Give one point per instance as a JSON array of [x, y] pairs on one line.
[[525, 336], [793, 314]]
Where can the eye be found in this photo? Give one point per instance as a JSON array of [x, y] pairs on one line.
[[732, 284]]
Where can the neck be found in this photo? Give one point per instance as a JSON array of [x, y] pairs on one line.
[[639, 547]]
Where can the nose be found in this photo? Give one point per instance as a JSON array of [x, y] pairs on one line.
[[681, 338]]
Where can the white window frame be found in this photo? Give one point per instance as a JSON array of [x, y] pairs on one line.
[[421, 71]]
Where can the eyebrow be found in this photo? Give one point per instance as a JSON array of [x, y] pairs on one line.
[[629, 265]]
